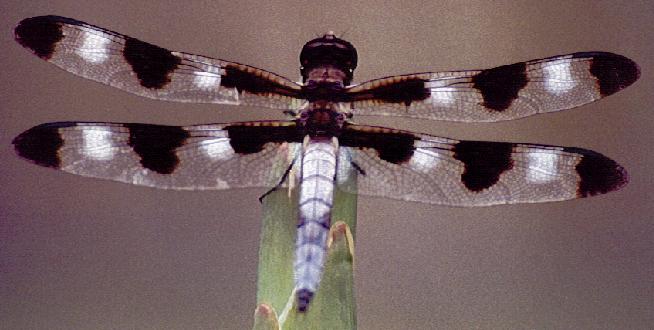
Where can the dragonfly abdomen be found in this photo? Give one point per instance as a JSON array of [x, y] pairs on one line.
[[315, 203]]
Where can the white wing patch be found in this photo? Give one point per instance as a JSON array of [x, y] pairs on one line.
[[424, 160], [94, 48], [558, 78], [218, 149], [97, 143], [443, 95], [206, 80], [541, 167]]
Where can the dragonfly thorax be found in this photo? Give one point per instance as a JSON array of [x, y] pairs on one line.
[[321, 119]]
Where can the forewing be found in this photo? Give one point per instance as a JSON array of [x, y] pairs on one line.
[[212, 157], [502, 93], [429, 169], [151, 71]]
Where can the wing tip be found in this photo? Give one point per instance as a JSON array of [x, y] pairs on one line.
[[40, 145], [39, 34], [598, 174], [614, 72]]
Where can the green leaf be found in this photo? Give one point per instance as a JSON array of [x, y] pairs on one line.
[[333, 306], [277, 249]]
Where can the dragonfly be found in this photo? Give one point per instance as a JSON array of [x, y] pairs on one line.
[[315, 148]]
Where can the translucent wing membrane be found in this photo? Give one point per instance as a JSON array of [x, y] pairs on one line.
[[502, 93], [218, 156], [429, 169], [395, 164], [151, 71]]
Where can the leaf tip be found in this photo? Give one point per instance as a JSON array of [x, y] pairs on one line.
[[265, 318], [340, 234]]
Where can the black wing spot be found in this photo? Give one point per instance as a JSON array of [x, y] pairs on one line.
[[483, 162], [41, 145], [156, 145], [244, 81], [392, 146], [39, 34], [248, 139], [248, 80], [598, 174], [152, 64], [500, 86], [613, 72], [405, 91]]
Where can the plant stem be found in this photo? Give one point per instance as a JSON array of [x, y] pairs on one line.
[[334, 306]]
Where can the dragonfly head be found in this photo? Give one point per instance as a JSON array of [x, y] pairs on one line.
[[330, 51]]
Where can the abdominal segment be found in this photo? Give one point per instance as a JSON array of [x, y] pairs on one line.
[[315, 203]]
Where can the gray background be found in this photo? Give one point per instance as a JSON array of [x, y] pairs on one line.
[[78, 253]]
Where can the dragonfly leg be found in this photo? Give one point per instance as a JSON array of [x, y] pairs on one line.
[[279, 184]]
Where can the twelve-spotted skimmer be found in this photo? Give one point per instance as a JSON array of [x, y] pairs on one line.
[[319, 144]]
